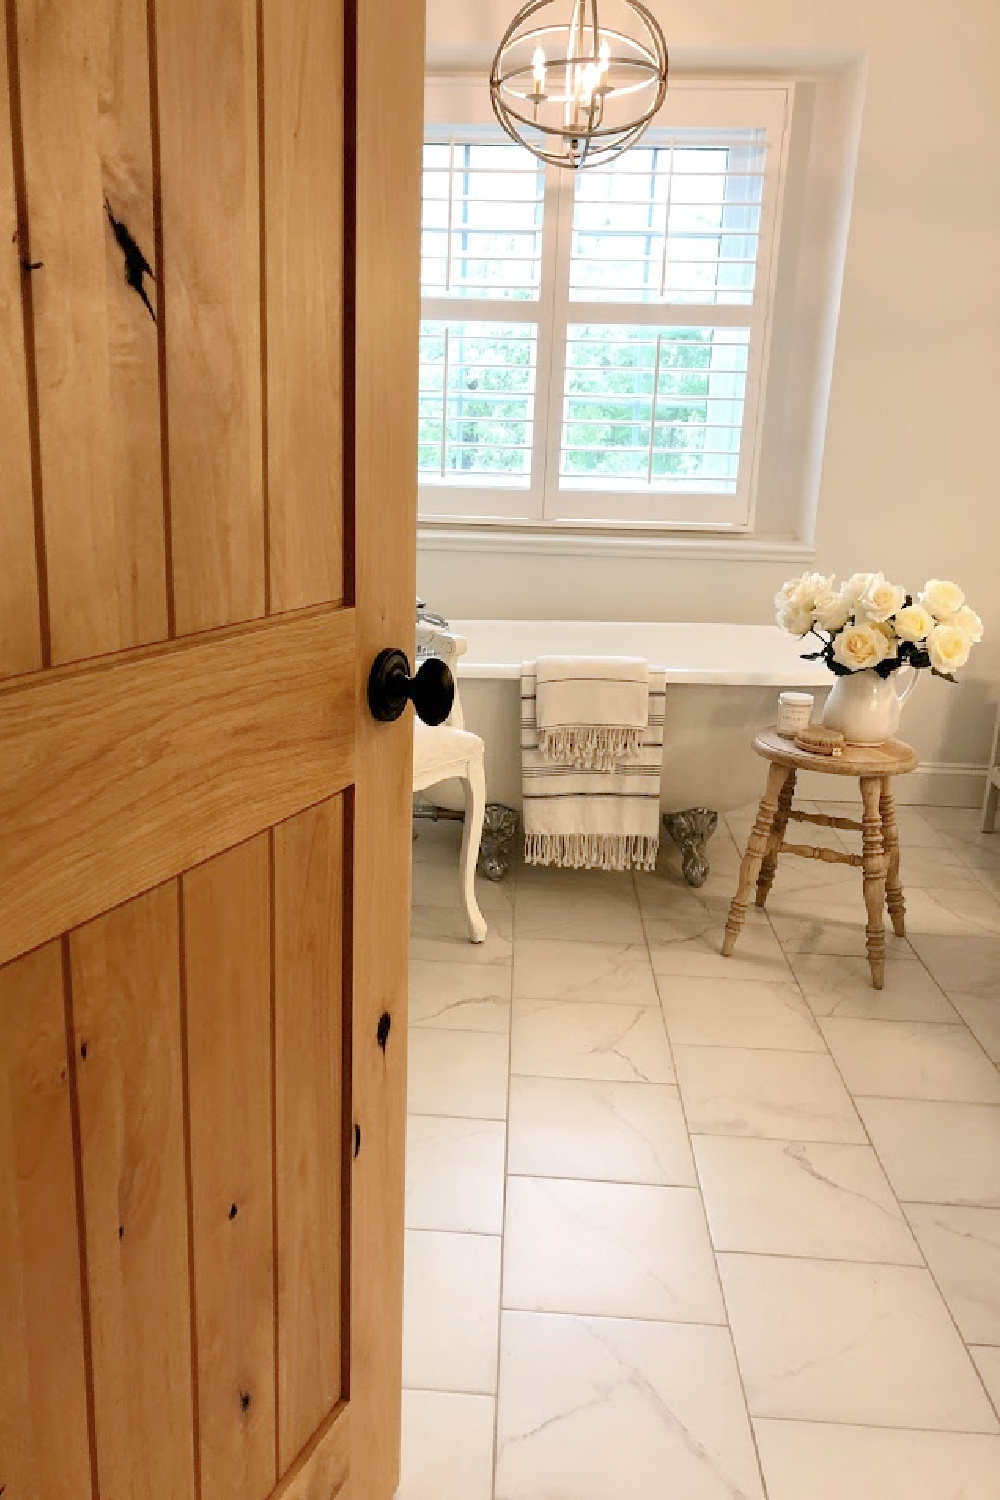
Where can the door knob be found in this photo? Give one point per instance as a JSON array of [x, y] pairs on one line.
[[431, 690]]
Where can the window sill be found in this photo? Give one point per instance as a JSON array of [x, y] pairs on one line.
[[540, 541]]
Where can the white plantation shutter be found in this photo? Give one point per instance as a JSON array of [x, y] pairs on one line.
[[594, 345]]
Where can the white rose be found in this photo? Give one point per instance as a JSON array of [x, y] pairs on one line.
[[948, 648], [832, 611], [914, 623], [802, 592], [859, 647], [796, 619], [969, 623], [885, 630], [880, 599], [856, 586], [942, 598]]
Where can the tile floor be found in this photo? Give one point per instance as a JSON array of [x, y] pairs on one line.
[[703, 1229]]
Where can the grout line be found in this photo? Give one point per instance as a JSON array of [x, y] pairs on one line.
[[708, 1228], [944, 1301], [503, 1206]]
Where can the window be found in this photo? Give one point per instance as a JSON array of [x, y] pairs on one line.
[[593, 346]]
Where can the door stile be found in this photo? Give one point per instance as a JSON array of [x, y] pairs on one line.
[[386, 152]]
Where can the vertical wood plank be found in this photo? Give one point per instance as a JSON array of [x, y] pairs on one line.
[[310, 1140], [303, 71], [207, 85], [44, 1449], [84, 72], [127, 1034], [389, 131], [228, 999], [20, 632]]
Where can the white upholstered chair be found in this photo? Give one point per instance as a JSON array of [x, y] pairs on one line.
[[449, 752]]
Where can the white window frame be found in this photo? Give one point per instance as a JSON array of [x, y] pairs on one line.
[[545, 503]]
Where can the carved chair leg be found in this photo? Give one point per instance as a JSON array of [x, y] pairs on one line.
[[874, 865], [474, 788], [890, 838], [757, 846], [768, 869]]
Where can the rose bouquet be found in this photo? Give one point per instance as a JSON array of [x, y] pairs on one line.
[[870, 624]]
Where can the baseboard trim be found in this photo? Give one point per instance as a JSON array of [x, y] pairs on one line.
[[935, 783]]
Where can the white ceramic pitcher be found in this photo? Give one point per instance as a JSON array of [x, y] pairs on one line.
[[866, 707]]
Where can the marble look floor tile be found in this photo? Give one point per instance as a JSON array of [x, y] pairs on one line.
[[597, 1409], [447, 1451], [962, 1247], [610, 973], [560, 1039], [696, 952], [437, 842], [962, 963], [791, 1198], [611, 1132], [837, 1341], [578, 916], [982, 1016], [953, 909], [455, 1174], [912, 1060], [460, 1073], [828, 1461], [987, 1360], [460, 996], [834, 925], [937, 1153], [835, 985], [922, 868], [737, 1013], [609, 1249], [778, 1095], [451, 1301], [440, 932], [436, 883]]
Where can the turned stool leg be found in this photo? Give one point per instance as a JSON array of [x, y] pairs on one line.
[[890, 838], [874, 865], [765, 879], [757, 846]]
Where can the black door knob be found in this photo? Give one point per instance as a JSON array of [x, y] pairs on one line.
[[431, 690]]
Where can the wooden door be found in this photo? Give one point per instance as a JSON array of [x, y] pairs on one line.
[[209, 225]]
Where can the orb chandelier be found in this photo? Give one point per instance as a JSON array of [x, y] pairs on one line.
[[578, 81]]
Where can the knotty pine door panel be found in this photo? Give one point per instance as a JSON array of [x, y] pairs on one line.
[[176, 1143], [172, 309]]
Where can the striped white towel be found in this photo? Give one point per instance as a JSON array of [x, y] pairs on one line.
[[591, 710], [592, 820]]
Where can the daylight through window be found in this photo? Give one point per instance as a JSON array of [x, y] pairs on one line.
[[593, 346]]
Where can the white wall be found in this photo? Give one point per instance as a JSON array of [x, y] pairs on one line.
[[911, 471]]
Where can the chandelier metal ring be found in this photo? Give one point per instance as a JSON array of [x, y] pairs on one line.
[[578, 93]]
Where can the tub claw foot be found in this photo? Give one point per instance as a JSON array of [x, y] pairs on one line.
[[499, 831], [691, 831]]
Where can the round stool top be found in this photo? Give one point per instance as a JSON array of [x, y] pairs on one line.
[[894, 758]]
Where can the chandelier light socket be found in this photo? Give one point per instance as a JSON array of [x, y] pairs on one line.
[[578, 81]]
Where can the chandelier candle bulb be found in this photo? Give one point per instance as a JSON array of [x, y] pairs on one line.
[[795, 712], [576, 81]]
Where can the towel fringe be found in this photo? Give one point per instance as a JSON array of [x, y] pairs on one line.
[[592, 851], [590, 747]]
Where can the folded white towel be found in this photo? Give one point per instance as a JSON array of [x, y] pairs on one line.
[[591, 710], [593, 820]]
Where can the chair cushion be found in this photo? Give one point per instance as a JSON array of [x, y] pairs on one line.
[[441, 748]]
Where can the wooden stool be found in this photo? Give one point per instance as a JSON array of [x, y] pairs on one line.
[[874, 766]]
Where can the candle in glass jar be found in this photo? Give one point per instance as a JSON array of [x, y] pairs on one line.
[[794, 712]]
